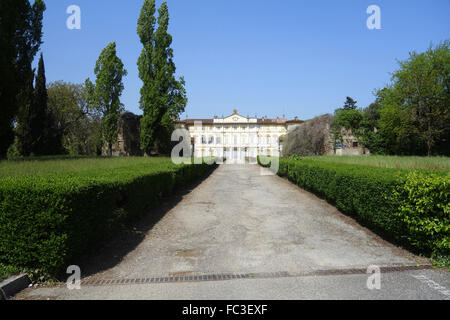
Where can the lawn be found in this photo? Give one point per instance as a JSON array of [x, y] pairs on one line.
[[396, 162], [47, 166]]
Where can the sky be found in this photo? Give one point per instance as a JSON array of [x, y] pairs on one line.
[[263, 58]]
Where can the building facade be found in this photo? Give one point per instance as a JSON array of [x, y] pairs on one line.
[[237, 138]]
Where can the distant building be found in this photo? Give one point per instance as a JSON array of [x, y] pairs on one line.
[[128, 140], [349, 145], [237, 137]]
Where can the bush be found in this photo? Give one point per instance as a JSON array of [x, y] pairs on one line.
[[48, 221], [409, 207], [425, 211]]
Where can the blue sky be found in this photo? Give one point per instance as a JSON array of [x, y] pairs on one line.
[[264, 58]]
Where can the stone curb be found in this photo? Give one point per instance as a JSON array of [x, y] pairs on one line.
[[13, 285]]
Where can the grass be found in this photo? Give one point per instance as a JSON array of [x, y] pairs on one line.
[[47, 166], [396, 162]]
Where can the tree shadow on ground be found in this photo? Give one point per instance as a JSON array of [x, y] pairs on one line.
[[112, 251]]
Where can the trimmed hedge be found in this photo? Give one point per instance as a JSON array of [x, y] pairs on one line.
[[48, 221], [409, 207]]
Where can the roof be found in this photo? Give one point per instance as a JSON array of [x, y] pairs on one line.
[[193, 121], [259, 121]]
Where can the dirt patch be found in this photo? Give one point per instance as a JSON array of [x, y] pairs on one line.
[[187, 253]]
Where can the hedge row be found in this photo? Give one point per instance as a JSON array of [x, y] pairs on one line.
[[409, 207], [46, 222]]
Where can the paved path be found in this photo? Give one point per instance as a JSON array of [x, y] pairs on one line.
[[241, 234]]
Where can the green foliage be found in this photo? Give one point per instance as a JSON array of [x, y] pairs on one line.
[[20, 39], [77, 123], [425, 211], [411, 208], [347, 122], [394, 162], [38, 133], [105, 95], [8, 271], [412, 113], [350, 104], [163, 97], [48, 220]]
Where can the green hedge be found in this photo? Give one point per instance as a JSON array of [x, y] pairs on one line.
[[409, 207], [48, 221]]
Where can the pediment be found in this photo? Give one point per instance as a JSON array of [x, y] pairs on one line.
[[235, 118]]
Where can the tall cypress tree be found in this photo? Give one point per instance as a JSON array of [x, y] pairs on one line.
[[38, 122], [163, 97], [37, 132], [50, 139], [20, 39]]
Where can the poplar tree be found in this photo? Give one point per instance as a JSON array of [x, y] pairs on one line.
[[105, 94], [163, 97]]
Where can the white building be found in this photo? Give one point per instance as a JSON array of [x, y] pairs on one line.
[[237, 138]]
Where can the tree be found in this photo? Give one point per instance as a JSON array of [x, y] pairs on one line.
[[79, 125], [105, 94], [20, 39], [37, 132], [163, 97], [350, 104], [423, 86], [415, 114], [50, 142], [346, 122]]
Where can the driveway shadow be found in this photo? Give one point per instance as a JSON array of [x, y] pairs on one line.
[[112, 251]]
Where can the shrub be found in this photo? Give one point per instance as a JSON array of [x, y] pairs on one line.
[[48, 221], [424, 209]]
